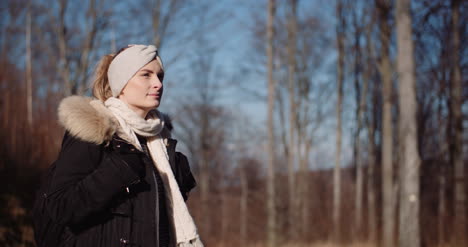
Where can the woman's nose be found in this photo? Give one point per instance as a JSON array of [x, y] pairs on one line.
[[157, 83]]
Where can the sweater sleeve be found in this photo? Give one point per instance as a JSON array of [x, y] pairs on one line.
[[86, 179]]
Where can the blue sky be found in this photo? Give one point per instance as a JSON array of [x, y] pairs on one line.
[[232, 37]]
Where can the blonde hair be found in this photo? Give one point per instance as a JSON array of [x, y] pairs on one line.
[[101, 86]]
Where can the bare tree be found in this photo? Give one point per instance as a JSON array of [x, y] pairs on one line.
[[161, 20], [270, 207], [409, 232], [292, 47], [204, 147], [29, 67], [74, 70], [63, 48], [383, 9], [87, 46], [337, 170], [360, 102], [457, 143], [441, 207], [371, 191], [243, 204], [370, 124]]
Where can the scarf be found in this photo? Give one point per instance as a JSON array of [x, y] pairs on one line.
[[130, 125]]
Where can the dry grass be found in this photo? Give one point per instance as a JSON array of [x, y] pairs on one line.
[[328, 244], [363, 244], [322, 244]]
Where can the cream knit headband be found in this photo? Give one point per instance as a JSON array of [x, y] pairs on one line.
[[127, 63]]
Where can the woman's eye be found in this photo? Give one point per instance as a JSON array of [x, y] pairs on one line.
[[161, 76], [146, 75]]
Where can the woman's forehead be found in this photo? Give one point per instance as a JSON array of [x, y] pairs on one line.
[[153, 66]]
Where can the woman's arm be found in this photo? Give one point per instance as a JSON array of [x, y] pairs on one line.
[[86, 179], [181, 169], [184, 176]]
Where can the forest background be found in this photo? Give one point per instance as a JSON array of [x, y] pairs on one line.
[[306, 122]]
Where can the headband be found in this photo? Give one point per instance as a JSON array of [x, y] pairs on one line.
[[125, 65]]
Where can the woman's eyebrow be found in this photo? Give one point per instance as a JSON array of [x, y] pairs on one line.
[[147, 70]]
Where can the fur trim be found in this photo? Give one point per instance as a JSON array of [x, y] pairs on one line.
[[89, 120]]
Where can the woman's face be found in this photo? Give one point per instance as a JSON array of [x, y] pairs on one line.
[[144, 90]]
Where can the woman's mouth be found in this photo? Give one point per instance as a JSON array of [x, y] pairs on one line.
[[156, 95]]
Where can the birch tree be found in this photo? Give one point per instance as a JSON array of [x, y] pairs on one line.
[[409, 232]]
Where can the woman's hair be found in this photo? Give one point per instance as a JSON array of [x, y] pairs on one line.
[[101, 86]]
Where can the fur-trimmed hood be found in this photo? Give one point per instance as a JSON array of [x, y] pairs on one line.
[[89, 120]]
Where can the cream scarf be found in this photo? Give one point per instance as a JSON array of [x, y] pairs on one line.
[[130, 125]]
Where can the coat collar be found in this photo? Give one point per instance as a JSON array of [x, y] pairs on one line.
[[89, 120]]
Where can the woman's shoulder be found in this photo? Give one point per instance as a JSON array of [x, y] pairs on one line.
[[74, 146], [87, 120]]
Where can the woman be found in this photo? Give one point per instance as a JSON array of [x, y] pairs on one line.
[[118, 180]]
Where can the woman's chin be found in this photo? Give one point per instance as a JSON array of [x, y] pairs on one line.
[[154, 104]]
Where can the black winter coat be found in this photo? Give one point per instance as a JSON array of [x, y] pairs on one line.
[[104, 189]]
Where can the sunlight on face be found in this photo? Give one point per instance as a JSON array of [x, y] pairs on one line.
[[144, 90]]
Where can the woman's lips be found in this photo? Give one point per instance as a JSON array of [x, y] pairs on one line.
[[156, 95]]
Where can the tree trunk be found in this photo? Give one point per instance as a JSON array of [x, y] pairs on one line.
[[87, 47], [383, 8], [457, 146], [62, 43], [243, 205], [371, 197], [156, 22], [161, 20], [442, 212], [337, 170], [292, 205], [360, 102], [370, 124], [205, 173], [409, 231], [224, 216], [271, 210], [441, 208], [304, 189]]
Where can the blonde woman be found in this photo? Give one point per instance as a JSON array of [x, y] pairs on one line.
[[118, 180]]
